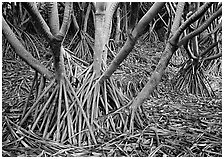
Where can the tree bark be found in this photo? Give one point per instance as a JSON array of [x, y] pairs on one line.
[[99, 31], [53, 18], [118, 26], [110, 9], [66, 19]]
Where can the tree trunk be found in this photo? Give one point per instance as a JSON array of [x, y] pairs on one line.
[[23, 53], [86, 18], [131, 40], [99, 31], [118, 26], [170, 48], [110, 9], [38, 21], [53, 18], [58, 53], [159, 71]]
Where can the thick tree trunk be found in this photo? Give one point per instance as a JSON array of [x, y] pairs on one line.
[[58, 53]]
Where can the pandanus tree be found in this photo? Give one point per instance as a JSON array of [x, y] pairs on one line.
[[172, 45], [54, 107], [95, 106]]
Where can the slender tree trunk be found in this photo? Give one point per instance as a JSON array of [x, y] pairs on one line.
[[118, 26], [23, 53], [66, 19], [110, 9], [201, 28], [99, 31], [86, 18], [38, 22], [159, 71], [132, 38], [170, 48], [53, 18]]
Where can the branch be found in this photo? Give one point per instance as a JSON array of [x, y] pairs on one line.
[[213, 57], [189, 21], [129, 44], [177, 19], [38, 22], [201, 28], [66, 18], [148, 17], [23, 53], [53, 18], [87, 17], [75, 23]]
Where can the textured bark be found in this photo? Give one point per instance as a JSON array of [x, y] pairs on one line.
[[53, 18], [58, 53], [118, 26], [66, 19], [110, 9], [23, 53], [98, 45]]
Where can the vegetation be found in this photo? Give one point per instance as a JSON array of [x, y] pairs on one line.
[[111, 79]]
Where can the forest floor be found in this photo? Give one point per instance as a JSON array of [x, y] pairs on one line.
[[179, 124]]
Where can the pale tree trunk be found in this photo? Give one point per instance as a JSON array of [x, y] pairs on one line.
[[99, 31], [118, 25], [103, 21], [110, 9], [53, 18]]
